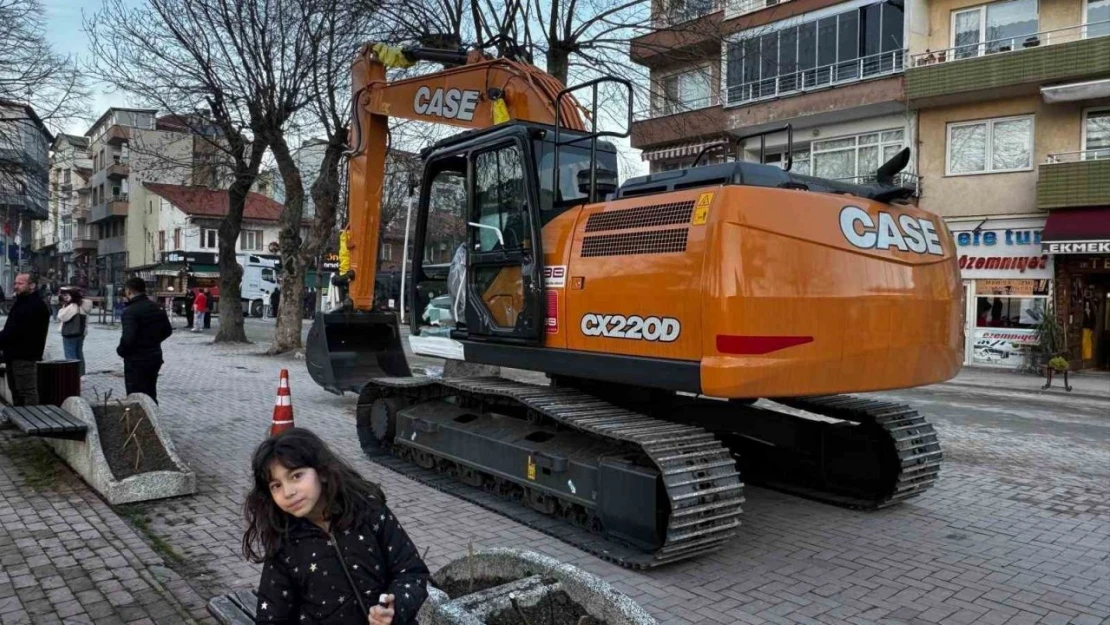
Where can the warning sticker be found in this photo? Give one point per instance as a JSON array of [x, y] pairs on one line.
[[701, 209]]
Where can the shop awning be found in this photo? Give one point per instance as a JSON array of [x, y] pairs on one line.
[[1077, 231]]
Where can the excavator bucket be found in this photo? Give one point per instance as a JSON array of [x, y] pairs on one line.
[[347, 348]]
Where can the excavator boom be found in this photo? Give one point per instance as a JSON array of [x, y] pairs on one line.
[[349, 346]]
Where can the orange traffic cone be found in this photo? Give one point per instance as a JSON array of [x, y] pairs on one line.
[[283, 407]]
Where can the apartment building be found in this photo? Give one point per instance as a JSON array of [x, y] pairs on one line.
[[725, 70], [1006, 104], [129, 147], [24, 175], [63, 245], [1013, 103]]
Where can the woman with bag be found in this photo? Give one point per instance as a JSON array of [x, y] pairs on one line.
[[73, 318]]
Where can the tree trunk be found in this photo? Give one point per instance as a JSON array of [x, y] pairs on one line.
[[231, 274], [558, 63], [287, 333], [325, 196]]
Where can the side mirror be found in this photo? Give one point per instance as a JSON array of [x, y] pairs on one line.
[[606, 182]]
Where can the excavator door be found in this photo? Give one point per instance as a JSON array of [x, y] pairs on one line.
[[493, 218], [504, 270]]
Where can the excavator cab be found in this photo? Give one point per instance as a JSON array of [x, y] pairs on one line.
[[491, 192]]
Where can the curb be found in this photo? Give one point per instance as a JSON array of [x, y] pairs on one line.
[[1056, 391]]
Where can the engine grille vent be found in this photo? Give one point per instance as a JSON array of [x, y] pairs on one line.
[[654, 242], [642, 217]]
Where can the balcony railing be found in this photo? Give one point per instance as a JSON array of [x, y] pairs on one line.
[[688, 12], [833, 74], [1082, 155], [1074, 179], [1012, 44], [674, 108]]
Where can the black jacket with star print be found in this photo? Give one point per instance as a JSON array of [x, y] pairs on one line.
[[310, 579]]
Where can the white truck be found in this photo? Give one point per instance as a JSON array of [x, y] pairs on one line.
[[259, 281]]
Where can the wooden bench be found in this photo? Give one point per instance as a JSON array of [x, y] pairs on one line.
[[47, 421], [237, 608]]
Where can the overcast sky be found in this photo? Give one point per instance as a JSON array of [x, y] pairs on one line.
[[66, 34], [65, 31]]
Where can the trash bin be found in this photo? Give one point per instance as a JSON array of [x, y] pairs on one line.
[[58, 380]]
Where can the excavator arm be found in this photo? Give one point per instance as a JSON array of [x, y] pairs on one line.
[[478, 93], [353, 344]]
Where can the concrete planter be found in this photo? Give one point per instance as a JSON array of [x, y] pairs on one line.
[[87, 459], [484, 587]]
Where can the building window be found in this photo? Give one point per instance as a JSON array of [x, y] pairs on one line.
[[996, 27], [161, 240], [853, 159], [990, 146], [686, 91], [251, 240], [387, 251], [850, 46], [679, 11], [1098, 16], [1096, 134], [177, 238], [743, 7], [209, 239]]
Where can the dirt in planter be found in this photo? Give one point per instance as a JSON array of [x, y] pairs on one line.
[[456, 588], [556, 608], [115, 429]]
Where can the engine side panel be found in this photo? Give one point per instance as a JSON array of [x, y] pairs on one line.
[[776, 292]]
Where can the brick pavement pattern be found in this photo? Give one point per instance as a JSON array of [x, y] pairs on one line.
[[996, 541], [67, 557]]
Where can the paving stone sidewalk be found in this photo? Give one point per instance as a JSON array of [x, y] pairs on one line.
[[987, 545], [67, 557]]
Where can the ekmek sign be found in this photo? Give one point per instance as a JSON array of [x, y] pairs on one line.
[[1077, 247]]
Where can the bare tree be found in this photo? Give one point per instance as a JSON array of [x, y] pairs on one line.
[[31, 72], [32, 75], [233, 60], [326, 39]]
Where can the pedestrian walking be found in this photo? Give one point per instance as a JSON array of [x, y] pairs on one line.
[[73, 319], [145, 326], [190, 300], [23, 340], [209, 309], [200, 307], [275, 299], [307, 502]]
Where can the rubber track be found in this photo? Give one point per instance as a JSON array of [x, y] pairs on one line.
[[913, 438], [702, 484]]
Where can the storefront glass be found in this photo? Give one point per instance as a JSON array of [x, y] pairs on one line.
[[1009, 281], [1007, 313]]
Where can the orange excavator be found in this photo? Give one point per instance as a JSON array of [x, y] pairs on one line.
[[694, 325]]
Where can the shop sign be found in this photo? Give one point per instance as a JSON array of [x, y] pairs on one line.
[[1077, 247], [1003, 252], [1002, 346], [1009, 287]]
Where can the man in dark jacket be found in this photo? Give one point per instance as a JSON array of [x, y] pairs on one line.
[[23, 341], [190, 298], [145, 326], [210, 308]]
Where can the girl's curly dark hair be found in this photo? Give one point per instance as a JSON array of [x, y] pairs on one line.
[[345, 493]]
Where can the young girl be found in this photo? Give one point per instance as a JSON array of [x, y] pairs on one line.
[[332, 550], [73, 319]]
